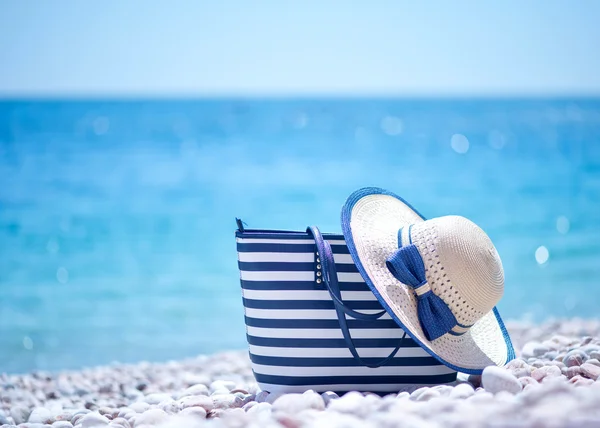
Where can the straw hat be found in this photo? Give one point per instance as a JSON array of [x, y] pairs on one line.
[[439, 279]]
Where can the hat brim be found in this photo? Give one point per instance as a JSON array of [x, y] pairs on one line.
[[371, 219]]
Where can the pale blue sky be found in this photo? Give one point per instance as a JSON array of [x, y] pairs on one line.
[[278, 47]]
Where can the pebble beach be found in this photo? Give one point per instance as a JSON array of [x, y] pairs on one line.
[[554, 382]]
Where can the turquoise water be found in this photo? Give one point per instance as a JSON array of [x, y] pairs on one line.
[[117, 218]]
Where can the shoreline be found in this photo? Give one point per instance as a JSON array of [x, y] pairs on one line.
[[554, 382]]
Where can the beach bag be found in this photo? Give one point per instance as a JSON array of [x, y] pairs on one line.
[[313, 323]]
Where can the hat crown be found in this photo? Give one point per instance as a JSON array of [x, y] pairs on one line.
[[462, 265]]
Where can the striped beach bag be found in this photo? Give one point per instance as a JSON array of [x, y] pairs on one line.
[[313, 323]]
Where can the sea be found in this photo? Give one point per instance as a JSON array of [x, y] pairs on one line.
[[117, 217]]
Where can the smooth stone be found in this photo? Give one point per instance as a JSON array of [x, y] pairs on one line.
[[196, 412], [545, 372], [249, 405], [483, 397], [504, 396], [261, 397], [222, 385], [403, 395], [246, 398], [139, 406], [595, 355], [525, 381], [40, 415], [124, 410], [20, 414], [108, 411], [540, 350], [90, 405], [260, 408], [129, 415], [234, 414], [94, 420], [444, 390], [214, 414], [170, 406], [151, 417], [417, 392], [581, 381], [62, 424], [558, 364], [64, 416], [328, 396], [120, 422], [521, 372], [425, 394], [593, 361], [272, 397], [538, 364], [575, 357], [496, 379], [156, 398], [198, 389], [227, 401], [516, 363], [571, 372], [464, 390], [352, 402], [197, 401], [561, 340], [529, 349], [295, 403], [77, 418], [573, 360], [134, 394], [590, 371]]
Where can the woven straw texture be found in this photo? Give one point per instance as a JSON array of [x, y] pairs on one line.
[[462, 267]]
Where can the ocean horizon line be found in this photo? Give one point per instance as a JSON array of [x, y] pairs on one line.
[[112, 97]]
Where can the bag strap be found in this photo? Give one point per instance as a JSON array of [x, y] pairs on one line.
[[330, 280]]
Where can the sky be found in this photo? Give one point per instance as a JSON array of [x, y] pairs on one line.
[[310, 47]]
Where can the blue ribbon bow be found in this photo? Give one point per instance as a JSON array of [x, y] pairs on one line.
[[435, 316]]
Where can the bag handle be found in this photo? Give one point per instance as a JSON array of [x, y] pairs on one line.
[[330, 280]]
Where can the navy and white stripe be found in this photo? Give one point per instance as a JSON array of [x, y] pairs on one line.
[[294, 337]]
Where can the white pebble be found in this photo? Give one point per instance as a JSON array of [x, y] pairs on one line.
[[352, 402], [151, 417], [496, 379], [197, 412], [199, 389], [328, 396], [294, 403], [463, 390], [225, 385], [139, 407], [40, 415], [197, 401], [262, 408], [92, 420], [62, 424], [156, 398]]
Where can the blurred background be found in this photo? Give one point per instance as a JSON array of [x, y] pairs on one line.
[[132, 133]]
